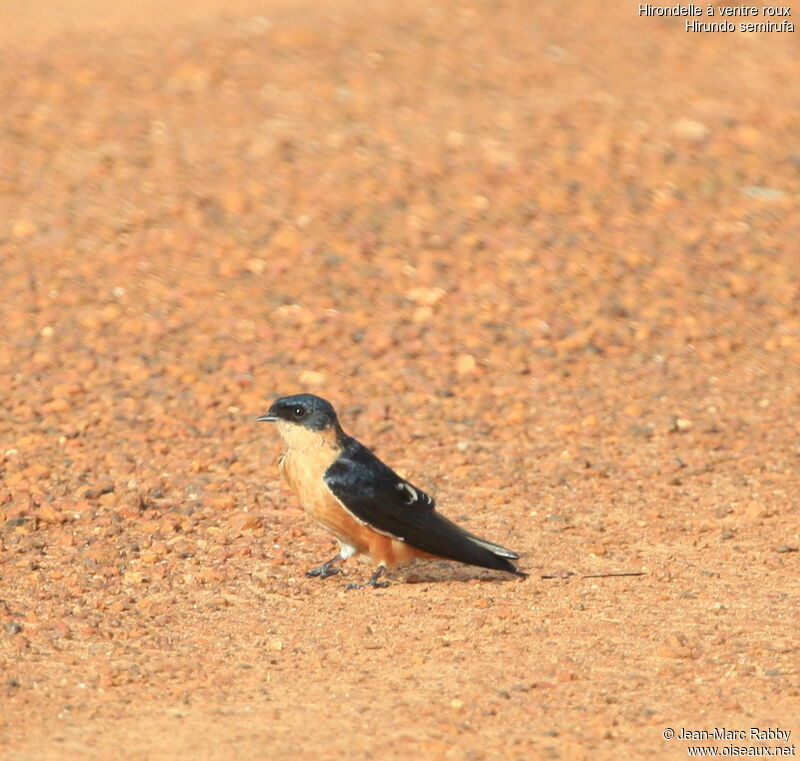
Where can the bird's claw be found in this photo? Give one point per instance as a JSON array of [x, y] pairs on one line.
[[322, 572], [373, 582]]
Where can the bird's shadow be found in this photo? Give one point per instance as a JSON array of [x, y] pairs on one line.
[[440, 571]]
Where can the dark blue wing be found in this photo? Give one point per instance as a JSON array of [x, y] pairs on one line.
[[375, 495]]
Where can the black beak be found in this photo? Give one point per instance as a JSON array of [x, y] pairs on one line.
[[267, 418]]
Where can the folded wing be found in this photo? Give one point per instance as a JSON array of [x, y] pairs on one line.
[[375, 495]]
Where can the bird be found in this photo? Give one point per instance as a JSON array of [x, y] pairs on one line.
[[368, 508]]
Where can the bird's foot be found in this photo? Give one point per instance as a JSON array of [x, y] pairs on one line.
[[324, 570], [376, 585], [323, 573], [373, 581]]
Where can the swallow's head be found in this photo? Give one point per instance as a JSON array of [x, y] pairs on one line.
[[305, 410]]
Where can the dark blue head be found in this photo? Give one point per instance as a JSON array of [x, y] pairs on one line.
[[307, 410]]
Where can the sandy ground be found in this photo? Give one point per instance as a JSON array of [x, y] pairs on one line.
[[543, 259]]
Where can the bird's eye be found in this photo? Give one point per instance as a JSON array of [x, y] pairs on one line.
[[299, 412]]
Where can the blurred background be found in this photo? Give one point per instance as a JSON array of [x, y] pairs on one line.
[[542, 256], [209, 205]]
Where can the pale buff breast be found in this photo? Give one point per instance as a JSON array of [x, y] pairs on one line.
[[308, 455]]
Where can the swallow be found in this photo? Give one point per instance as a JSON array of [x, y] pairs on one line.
[[368, 508]]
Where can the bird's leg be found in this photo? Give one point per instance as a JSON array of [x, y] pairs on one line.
[[373, 581], [326, 569]]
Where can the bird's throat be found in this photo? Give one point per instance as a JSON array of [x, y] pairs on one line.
[[299, 439]]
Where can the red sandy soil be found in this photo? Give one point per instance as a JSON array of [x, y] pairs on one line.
[[543, 257]]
